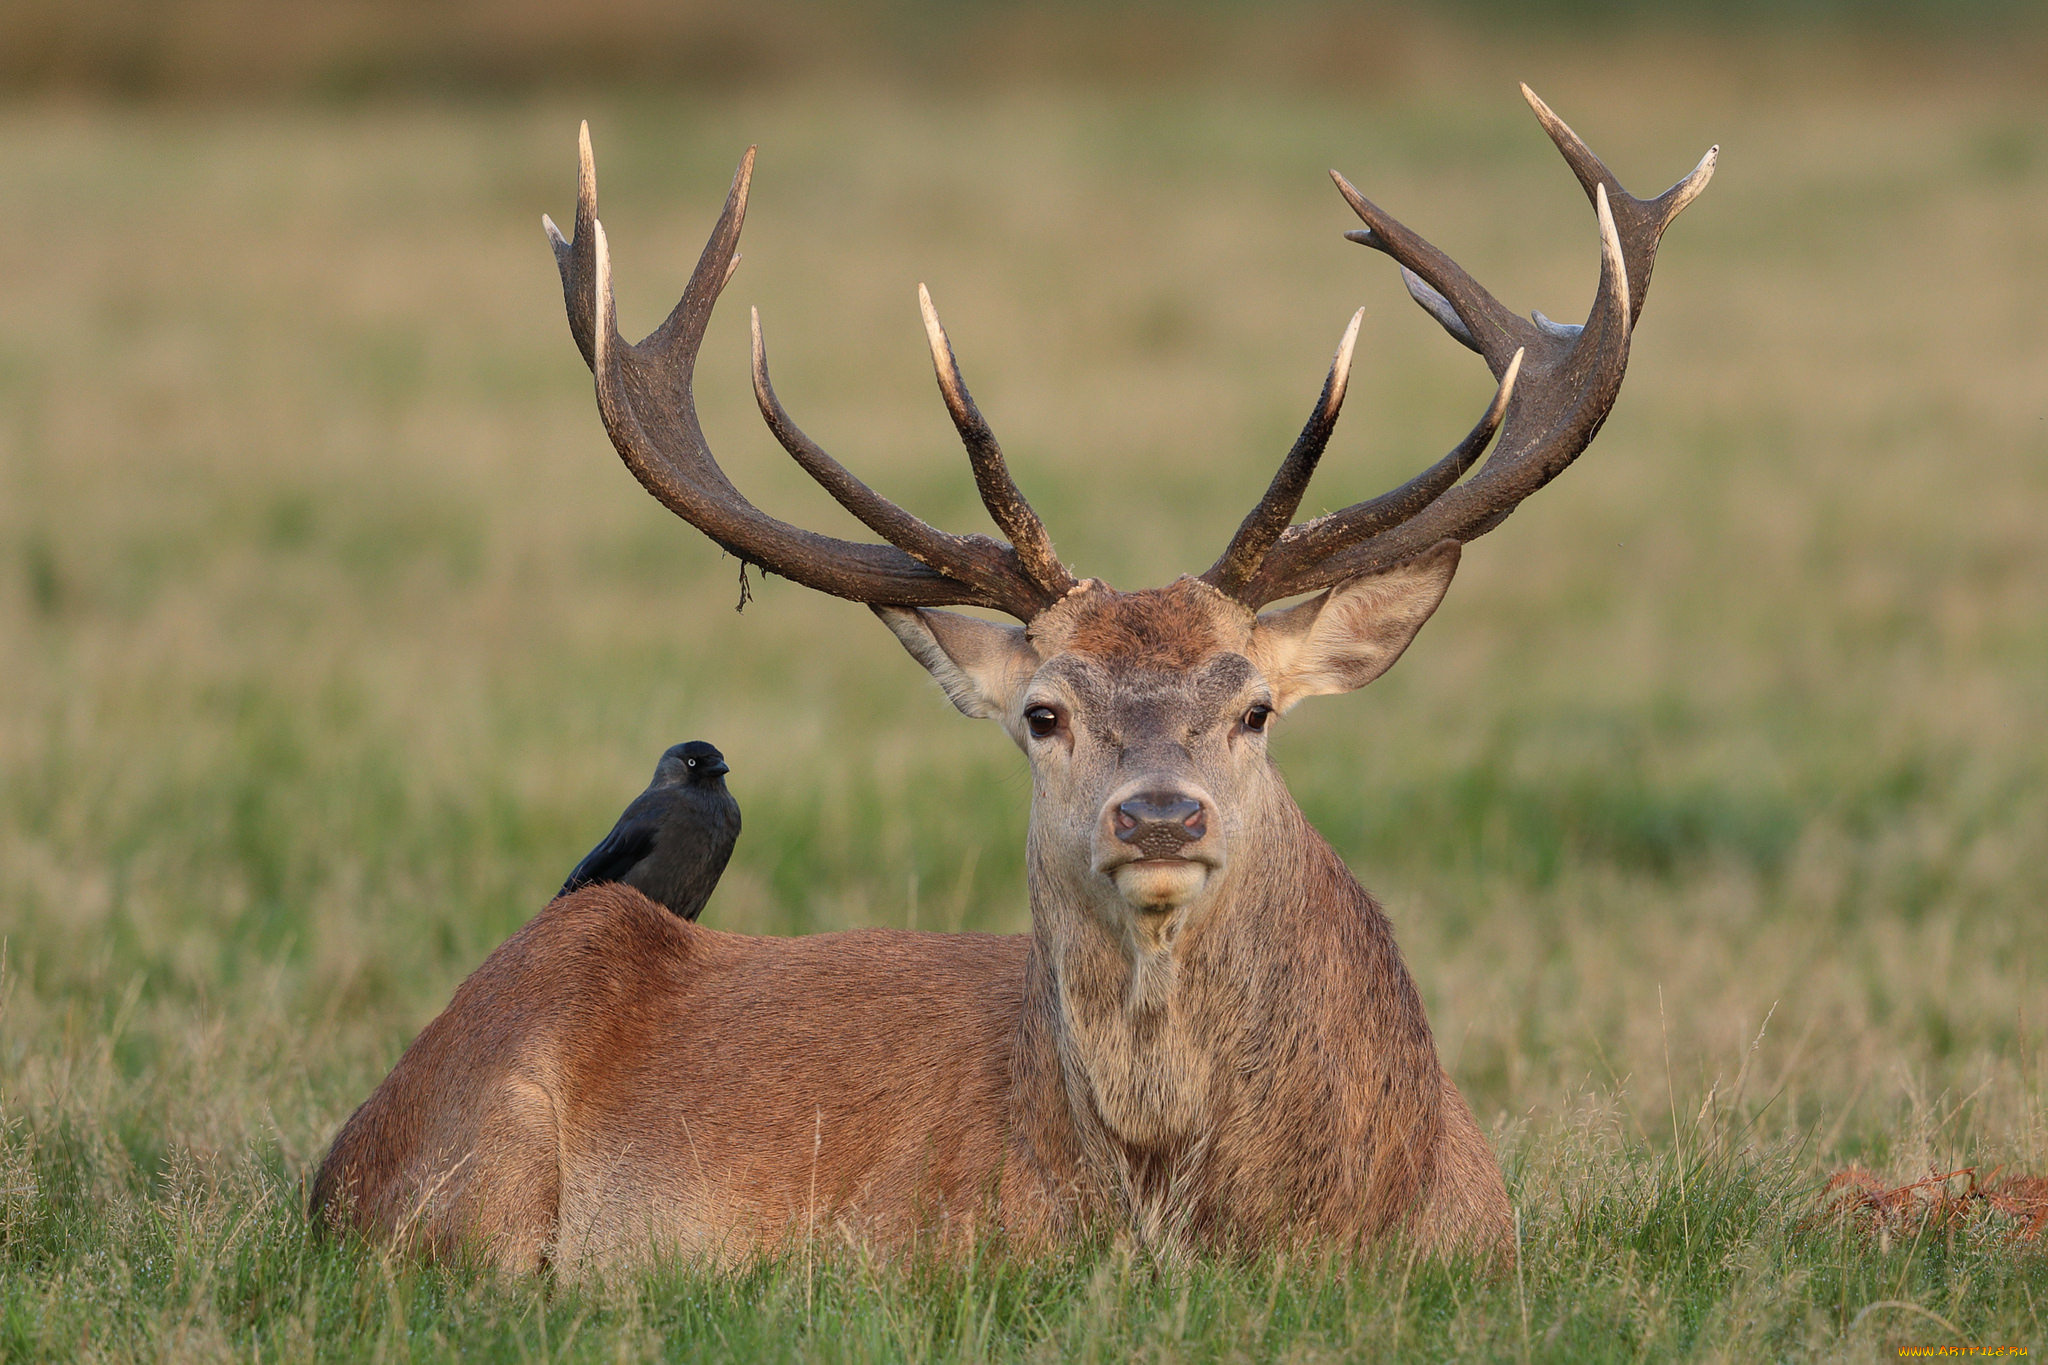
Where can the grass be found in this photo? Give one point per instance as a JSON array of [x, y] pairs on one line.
[[333, 633]]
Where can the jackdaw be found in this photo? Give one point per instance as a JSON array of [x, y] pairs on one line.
[[673, 841]]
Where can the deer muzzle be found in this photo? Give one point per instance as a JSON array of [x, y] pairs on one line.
[[1162, 852]]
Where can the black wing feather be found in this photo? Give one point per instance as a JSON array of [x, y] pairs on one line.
[[630, 840]]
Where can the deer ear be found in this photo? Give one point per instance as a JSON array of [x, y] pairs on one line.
[[1345, 637], [981, 664]]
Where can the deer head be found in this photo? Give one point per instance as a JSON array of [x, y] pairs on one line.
[[1145, 714]]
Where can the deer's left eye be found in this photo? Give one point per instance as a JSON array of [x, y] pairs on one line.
[[1041, 720], [1256, 718]]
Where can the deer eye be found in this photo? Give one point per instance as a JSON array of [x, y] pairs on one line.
[[1041, 720], [1256, 718]]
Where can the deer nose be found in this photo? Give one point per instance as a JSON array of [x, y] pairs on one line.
[[1160, 822]]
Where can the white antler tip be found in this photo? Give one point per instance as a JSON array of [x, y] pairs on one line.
[[1346, 346], [1688, 189], [603, 322], [1610, 250], [586, 172], [1504, 390], [554, 233], [934, 330], [1340, 368]]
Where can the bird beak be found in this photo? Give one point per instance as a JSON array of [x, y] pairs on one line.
[[717, 769]]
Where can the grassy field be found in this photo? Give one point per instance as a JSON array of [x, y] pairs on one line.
[[1712, 809]]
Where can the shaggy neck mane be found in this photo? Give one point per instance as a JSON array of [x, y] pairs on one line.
[[1199, 1082]]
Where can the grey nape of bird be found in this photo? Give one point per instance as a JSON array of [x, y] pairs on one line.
[[673, 841]]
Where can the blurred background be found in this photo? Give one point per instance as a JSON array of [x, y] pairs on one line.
[[332, 631]]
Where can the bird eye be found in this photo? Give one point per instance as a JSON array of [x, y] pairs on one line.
[[1041, 720], [1256, 718], [692, 762]]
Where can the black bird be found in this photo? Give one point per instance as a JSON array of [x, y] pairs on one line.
[[673, 841]]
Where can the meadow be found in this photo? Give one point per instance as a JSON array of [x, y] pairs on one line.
[[1711, 810]]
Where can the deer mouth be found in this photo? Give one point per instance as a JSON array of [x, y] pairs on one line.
[[1157, 885]]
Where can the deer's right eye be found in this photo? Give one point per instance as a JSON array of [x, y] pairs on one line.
[[1041, 720]]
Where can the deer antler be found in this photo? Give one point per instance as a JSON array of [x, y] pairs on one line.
[[644, 394], [1556, 385]]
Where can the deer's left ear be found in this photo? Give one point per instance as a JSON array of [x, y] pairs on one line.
[[1345, 637]]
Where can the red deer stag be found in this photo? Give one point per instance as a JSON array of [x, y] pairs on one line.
[[1207, 1040]]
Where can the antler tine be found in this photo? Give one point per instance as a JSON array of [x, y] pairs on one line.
[[1641, 222], [999, 492], [644, 395], [1460, 303], [1334, 530], [1557, 385], [874, 511], [1263, 525], [573, 258], [972, 559]]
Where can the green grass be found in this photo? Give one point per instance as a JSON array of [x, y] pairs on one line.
[[1625, 1255], [331, 633]]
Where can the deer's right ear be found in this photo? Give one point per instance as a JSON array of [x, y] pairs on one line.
[[981, 664]]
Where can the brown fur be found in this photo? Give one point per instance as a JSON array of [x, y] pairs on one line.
[[1164, 628], [614, 1082], [1288, 1086], [1248, 1065]]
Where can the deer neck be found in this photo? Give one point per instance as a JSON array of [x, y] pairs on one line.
[[1152, 1021]]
